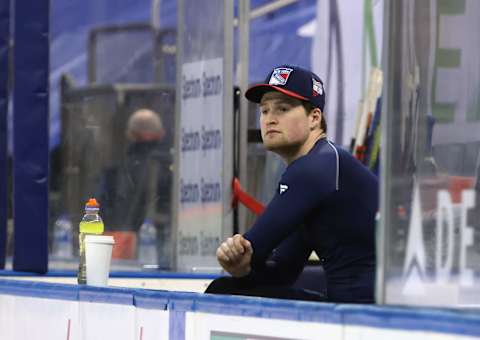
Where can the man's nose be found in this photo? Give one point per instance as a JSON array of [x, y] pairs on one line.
[[271, 119]]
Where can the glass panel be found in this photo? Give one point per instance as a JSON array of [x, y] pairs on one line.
[[109, 64], [433, 230], [203, 140], [112, 130]]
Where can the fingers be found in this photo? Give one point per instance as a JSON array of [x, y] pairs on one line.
[[247, 245], [242, 244], [237, 243], [225, 252], [221, 255], [233, 249]]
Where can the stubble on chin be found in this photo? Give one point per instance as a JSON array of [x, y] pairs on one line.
[[269, 143], [273, 145]]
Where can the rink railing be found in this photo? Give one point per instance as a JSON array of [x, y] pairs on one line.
[[38, 310]]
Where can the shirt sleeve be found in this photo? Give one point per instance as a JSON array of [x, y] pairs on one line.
[[285, 264], [306, 183]]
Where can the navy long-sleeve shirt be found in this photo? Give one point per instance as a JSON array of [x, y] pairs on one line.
[[326, 201]]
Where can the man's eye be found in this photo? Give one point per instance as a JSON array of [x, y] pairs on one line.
[[283, 108]]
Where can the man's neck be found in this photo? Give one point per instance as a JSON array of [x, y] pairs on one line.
[[303, 149]]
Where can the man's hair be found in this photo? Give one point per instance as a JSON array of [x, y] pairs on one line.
[[309, 107], [145, 125]]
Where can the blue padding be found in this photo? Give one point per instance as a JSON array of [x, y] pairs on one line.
[[255, 307], [182, 302], [151, 299], [176, 325], [39, 289], [178, 303], [121, 296], [4, 42], [117, 274], [413, 318], [52, 273], [30, 143], [164, 275]]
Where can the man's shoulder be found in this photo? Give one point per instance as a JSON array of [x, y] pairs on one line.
[[324, 153], [327, 147], [320, 162]]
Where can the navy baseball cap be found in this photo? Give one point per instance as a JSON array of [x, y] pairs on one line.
[[293, 81]]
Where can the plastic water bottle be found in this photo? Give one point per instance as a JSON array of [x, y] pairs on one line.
[[63, 238], [91, 224], [147, 239]]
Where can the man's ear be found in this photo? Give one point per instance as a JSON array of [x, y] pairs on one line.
[[315, 118]]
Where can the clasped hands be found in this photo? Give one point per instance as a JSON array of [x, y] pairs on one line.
[[235, 255]]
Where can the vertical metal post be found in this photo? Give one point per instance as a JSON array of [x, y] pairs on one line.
[[4, 95], [155, 14], [243, 34], [176, 140], [92, 58], [382, 234], [227, 118], [30, 135]]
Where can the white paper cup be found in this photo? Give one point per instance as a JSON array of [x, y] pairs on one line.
[[98, 254]]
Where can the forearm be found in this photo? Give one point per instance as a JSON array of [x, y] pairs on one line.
[[285, 263], [271, 274]]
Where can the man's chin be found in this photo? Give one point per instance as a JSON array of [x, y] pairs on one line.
[[272, 146]]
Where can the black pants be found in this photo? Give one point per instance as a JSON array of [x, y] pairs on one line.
[[238, 286]]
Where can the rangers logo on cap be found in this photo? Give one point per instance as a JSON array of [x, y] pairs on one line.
[[317, 87], [280, 76]]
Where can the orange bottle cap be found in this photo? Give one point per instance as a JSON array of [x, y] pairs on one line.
[[92, 202]]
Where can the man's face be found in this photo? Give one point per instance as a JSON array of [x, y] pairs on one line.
[[284, 122]]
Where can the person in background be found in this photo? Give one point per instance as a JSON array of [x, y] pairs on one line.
[[326, 201], [140, 187], [145, 131]]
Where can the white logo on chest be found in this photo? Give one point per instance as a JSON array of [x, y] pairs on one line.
[[283, 188]]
